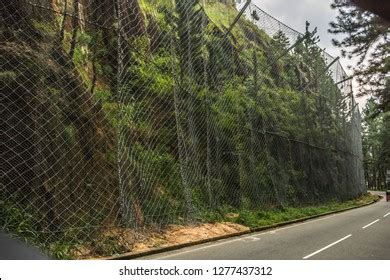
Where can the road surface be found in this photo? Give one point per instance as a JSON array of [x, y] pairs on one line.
[[363, 233]]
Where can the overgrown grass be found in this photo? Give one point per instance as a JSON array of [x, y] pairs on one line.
[[257, 218], [23, 223], [221, 14]]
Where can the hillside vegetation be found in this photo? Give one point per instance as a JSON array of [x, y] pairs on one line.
[[147, 113]]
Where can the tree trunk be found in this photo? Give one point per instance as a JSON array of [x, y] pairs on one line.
[[62, 31], [75, 26]]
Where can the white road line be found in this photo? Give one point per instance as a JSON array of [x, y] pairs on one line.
[[190, 250], [370, 224], [251, 239], [326, 247], [237, 239], [386, 215]]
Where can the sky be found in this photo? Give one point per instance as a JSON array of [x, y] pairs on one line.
[[294, 13]]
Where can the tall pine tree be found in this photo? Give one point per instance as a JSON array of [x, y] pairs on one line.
[[366, 38]]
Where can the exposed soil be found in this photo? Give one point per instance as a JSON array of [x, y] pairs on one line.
[[118, 240]]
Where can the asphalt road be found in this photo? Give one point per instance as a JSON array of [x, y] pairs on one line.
[[13, 249], [363, 233]]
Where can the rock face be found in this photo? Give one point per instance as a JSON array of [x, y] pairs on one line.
[[57, 138]]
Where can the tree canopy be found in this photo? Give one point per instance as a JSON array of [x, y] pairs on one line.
[[366, 38], [376, 150]]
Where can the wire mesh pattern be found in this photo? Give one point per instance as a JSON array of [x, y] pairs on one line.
[[140, 114]]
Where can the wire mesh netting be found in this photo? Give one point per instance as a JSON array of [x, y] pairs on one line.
[[140, 114]]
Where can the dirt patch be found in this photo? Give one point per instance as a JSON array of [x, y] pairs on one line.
[[177, 234], [116, 240]]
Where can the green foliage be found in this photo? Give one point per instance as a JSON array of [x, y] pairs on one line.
[[7, 76], [266, 217], [376, 147], [222, 19], [61, 250], [22, 222], [44, 29]]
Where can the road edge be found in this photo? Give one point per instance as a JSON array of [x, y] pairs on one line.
[[129, 256]]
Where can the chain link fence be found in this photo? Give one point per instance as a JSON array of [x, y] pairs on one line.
[[126, 114]]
